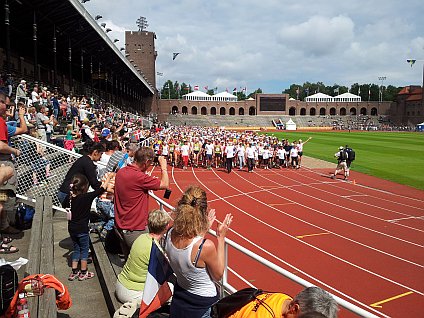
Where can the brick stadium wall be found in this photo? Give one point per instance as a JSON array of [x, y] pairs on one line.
[[165, 106]]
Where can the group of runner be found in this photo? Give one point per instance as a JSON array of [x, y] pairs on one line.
[[217, 148]]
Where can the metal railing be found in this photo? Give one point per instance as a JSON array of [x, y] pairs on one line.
[[35, 179]]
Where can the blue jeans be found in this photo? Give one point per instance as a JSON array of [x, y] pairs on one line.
[[80, 242], [107, 209], [61, 196]]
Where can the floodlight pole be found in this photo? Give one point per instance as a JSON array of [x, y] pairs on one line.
[[382, 79]]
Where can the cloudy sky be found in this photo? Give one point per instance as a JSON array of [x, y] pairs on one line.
[[270, 44]]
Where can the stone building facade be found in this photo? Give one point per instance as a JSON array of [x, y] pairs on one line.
[[270, 104]]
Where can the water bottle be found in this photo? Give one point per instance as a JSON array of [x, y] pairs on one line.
[[22, 307]]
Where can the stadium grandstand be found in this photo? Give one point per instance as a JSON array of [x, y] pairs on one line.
[[66, 50], [67, 58]]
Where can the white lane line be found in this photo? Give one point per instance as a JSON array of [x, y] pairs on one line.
[[326, 230], [408, 218], [364, 203], [173, 178], [378, 190], [310, 245], [337, 218], [335, 184]]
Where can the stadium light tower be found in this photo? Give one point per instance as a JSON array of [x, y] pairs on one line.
[[98, 17], [382, 79], [108, 30], [142, 23]]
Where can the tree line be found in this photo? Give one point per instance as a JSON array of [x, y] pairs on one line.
[[368, 92]]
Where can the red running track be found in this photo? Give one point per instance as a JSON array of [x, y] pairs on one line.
[[360, 240]]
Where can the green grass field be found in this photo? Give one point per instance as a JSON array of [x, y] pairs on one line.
[[398, 157]]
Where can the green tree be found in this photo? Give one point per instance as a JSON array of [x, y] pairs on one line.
[[241, 95], [252, 95], [391, 92]]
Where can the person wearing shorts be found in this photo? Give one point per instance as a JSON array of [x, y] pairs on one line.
[[218, 154], [196, 150], [209, 152], [185, 154]]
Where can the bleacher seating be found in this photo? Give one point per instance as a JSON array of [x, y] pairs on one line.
[[360, 122]]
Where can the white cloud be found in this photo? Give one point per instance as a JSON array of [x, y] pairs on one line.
[[319, 35], [274, 43]]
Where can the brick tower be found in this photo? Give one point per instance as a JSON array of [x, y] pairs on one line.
[[140, 50]]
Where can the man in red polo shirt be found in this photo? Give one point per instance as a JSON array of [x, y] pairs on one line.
[[131, 195]]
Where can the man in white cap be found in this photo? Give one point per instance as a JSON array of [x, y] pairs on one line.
[[341, 156]]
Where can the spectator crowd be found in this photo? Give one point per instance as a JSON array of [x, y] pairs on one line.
[[105, 134]]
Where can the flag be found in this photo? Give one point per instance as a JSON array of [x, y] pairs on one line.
[[187, 88], [174, 55], [206, 88], [196, 87], [156, 289], [412, 62]]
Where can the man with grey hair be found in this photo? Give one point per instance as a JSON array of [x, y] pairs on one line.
[[310, 300]]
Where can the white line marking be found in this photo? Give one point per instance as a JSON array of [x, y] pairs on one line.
[[288, 264], [364, 203], [408, 218], [378, 190], [338, 205]]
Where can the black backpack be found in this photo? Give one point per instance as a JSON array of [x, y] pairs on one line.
[[350, 154], [234, 302], [24, 216], [343, 155], [8, 286]]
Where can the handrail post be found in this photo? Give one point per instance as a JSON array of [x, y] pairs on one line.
[[225, 274]]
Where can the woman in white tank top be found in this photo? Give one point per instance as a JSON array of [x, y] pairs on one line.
[[195, 260]]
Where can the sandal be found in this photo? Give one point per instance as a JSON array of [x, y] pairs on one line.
[[73, 276], [8, 249], [6, 240], [85, 276]]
